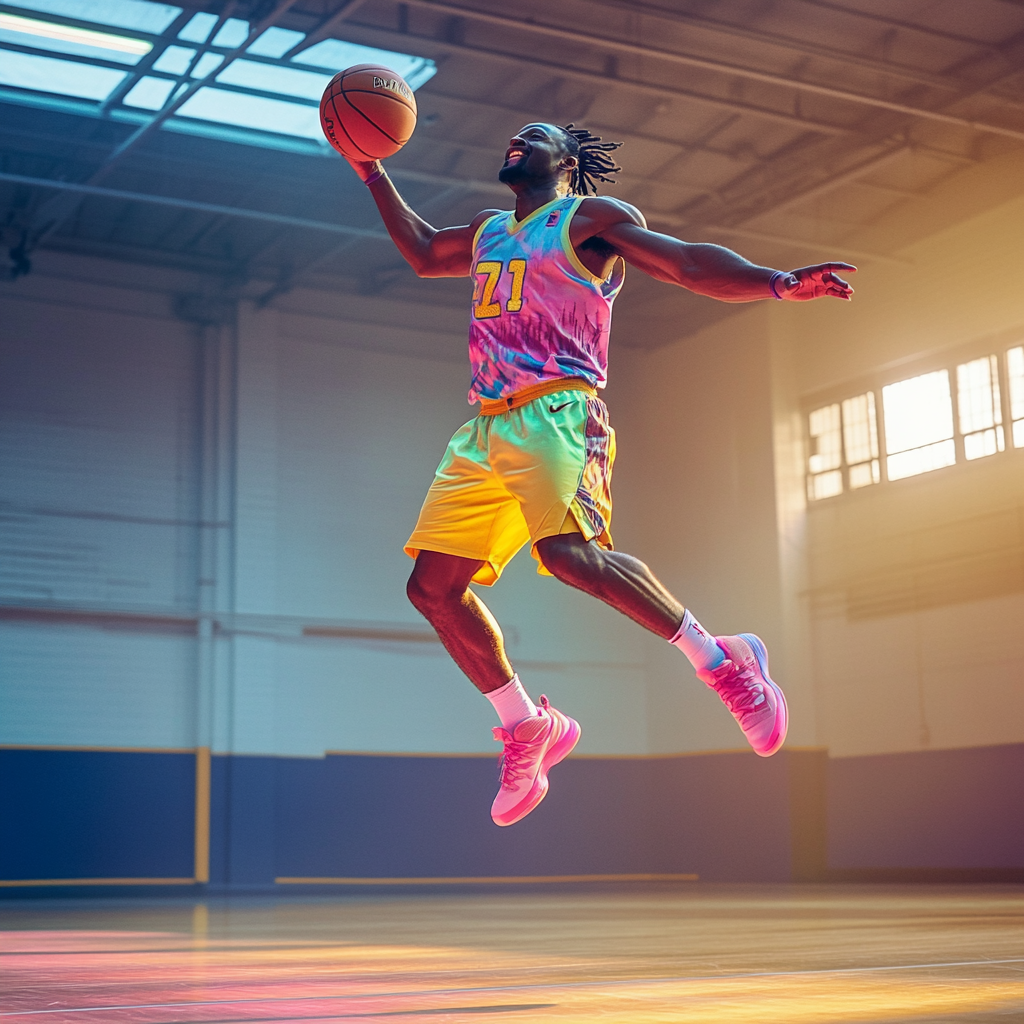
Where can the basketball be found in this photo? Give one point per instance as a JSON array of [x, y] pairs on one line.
[[367, 112]]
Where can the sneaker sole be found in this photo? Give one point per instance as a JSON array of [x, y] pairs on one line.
[[558, 751], [778, 736]]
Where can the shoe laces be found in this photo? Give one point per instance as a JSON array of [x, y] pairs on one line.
[[514, 759], [741, 691]]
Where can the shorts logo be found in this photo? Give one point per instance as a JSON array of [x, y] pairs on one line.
[[559, 408], [553, 218]]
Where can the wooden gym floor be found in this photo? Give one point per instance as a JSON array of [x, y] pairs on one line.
[[679, 953]]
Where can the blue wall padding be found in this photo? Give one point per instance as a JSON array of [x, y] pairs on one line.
[[933, 809], [722, 816], [96, 814]]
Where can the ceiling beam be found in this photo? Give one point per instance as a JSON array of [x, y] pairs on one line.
[[761, 36], [706, 64], [216, 209], [660, 92]]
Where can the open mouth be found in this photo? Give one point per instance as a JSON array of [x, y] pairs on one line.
[[514, 154]]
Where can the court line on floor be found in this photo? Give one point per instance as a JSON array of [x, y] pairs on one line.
[[524, 988]]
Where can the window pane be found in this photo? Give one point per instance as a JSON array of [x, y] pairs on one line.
[[825, 485], [918, 411], [860, 430], [276, 42], [258, 112], [334, 54], [251, 74], [232, 33], [66, 77], [149, 93], [982, 443], [921, 460], [864, 475], [199, 28], [140, 15], [174, 60], [826, 439], [977, 394]]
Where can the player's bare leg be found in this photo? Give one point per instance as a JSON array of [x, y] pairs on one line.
[[736, 667], [439, 590], [614, 577], [535, 738]]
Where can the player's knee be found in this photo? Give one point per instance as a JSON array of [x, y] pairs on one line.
[[429, 593], [569, 558]]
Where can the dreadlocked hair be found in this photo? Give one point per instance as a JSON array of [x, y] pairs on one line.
[[594, 163]]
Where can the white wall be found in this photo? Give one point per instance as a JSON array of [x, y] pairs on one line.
[[304, 438], [912, 591]]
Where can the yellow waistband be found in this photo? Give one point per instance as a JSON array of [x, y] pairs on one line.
[[496, 406]]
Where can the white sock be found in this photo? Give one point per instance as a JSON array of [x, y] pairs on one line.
[[697, 644], [512, 703]]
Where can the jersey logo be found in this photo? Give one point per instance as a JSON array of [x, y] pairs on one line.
[[553, 218]]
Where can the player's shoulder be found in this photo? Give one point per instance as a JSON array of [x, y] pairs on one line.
[[483, 216], [608, 211]]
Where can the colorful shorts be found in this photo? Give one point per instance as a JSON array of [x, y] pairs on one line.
[[538, 469]]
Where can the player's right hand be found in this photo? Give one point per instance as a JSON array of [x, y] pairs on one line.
[[364, 168]]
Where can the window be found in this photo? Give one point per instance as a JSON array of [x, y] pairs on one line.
[[981, 414], [918, 425], [1015, 378], [860, 431], [263, 99], [825, 477]]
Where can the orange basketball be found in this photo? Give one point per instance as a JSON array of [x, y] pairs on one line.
[[367, 112]]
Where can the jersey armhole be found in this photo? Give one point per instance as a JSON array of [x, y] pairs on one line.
[[570, 252], [479, 231]]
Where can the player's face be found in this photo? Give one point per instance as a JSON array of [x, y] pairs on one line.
[[533, 155]]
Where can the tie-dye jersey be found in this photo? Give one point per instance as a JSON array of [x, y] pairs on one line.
[[538, 313]]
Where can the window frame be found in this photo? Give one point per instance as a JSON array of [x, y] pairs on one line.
[[948, 359]]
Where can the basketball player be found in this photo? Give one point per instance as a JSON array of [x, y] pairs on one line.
[[535, 463]]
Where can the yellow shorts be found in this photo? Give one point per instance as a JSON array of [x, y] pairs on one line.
[[534, 471]]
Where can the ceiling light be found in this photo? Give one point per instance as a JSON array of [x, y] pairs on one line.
[[70, 34]]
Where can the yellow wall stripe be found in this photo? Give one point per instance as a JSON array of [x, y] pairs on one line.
[[202, 841]]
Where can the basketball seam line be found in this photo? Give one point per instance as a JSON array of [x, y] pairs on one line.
[[341, 125], [368, 120]]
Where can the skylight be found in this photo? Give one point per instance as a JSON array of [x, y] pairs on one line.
[[140, 15], [48, 35], [261, 99]]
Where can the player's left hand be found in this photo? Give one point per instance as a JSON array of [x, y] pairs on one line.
[[815, 282]]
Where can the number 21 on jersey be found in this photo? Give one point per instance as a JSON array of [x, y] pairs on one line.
[[484, 305]]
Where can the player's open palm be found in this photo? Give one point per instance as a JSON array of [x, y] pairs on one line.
[[815, 282]]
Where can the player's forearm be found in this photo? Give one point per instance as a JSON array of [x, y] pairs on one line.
[[408, 230], [722, 274]]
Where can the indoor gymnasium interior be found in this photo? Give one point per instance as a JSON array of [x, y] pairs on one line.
[[241, 778]]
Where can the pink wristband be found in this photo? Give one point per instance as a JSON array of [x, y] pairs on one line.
[[379, 173], [771, 283]]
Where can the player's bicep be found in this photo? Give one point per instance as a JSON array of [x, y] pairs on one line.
[[451, 249], [451, 252], [656, 254]]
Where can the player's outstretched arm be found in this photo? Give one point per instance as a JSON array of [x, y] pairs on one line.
[[431, 252], [709, 269]]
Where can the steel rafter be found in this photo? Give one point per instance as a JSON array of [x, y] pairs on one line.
[[707, 64]]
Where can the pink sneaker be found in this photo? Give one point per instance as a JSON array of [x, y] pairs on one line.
[[535, 746], [743, 683]]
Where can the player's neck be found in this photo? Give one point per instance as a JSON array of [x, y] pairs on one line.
[[533, 197]]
